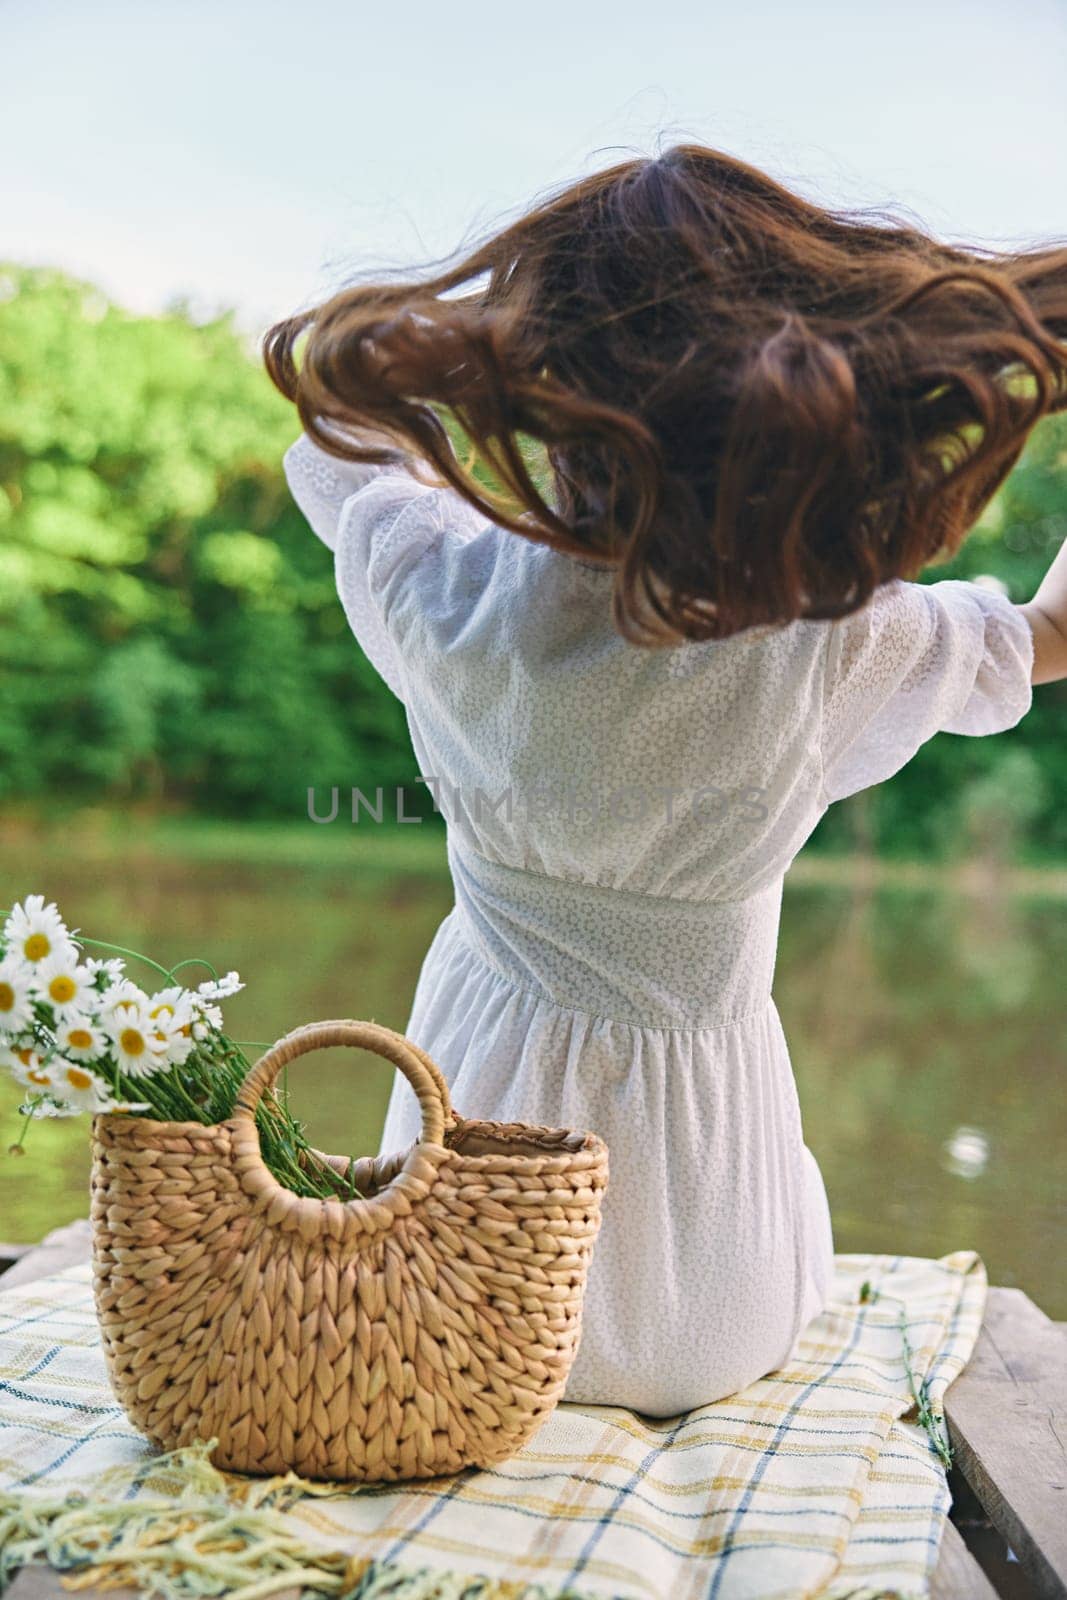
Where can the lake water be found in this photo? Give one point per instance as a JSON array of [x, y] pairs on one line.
[[926, 1028]]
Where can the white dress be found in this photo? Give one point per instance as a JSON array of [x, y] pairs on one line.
[[619, 824]]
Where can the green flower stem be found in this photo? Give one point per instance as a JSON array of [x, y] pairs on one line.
[[930, 1420], [20, 1142], [194, 961], [120, 950], [173, 1081]]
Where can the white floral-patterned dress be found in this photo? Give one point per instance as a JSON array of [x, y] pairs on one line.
[[619, 824]]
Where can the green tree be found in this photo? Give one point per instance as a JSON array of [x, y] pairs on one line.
[[168, 627]]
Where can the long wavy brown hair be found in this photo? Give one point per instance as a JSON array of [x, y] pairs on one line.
[[753, 408]]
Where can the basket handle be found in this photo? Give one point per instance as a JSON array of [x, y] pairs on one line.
[[424, 1076]]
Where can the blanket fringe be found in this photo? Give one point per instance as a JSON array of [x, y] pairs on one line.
[[176, 1527]]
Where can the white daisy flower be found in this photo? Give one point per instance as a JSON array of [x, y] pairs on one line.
[[121, 990], [34, 931], [29, 1069], [208, 1015], [16, 996], [173, 1007], [109, 1106], [63, 984], [44, 1106], [171, 1013], [220, 988], [139, 1049], [180, 1047], [103, 973], [81, 1038], [76, 1085]]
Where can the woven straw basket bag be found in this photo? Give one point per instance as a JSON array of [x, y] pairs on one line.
[[426, 1327]]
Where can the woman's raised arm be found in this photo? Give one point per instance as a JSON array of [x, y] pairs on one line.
[[1047, 615]]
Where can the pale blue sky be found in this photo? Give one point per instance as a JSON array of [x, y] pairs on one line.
[[252, 153]]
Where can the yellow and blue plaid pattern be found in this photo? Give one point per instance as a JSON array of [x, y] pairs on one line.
[[817, 1480]]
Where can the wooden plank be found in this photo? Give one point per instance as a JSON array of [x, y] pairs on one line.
[[1007, 1420], [43, 1583], [957, 1575], [63, 1247], [35, 1583]]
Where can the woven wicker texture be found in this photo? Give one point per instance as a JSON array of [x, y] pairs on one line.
[[426, 1327]]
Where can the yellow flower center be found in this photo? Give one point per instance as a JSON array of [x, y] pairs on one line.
[[79, 1038], [132, 1041], [78, 1079], [162, 1010], [36, 946], [7, 997], [25, 1055], [62, 988], [36, 1076]]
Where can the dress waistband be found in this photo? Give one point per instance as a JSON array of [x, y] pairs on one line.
[[650, 960]]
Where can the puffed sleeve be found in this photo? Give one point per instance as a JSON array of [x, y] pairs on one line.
[[919, 659], [378, 519]]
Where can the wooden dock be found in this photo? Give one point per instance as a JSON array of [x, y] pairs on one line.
[[1007, 1422]]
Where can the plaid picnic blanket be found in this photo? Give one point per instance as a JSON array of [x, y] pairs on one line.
[[824, 1478]]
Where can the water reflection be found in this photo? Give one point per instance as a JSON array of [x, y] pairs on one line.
[[927, 1035], [966, 1153], [926, 1030]]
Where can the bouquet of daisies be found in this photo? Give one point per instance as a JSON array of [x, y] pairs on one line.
[[78, 1035]]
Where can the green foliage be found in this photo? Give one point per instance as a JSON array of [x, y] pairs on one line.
[[169, 631]]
